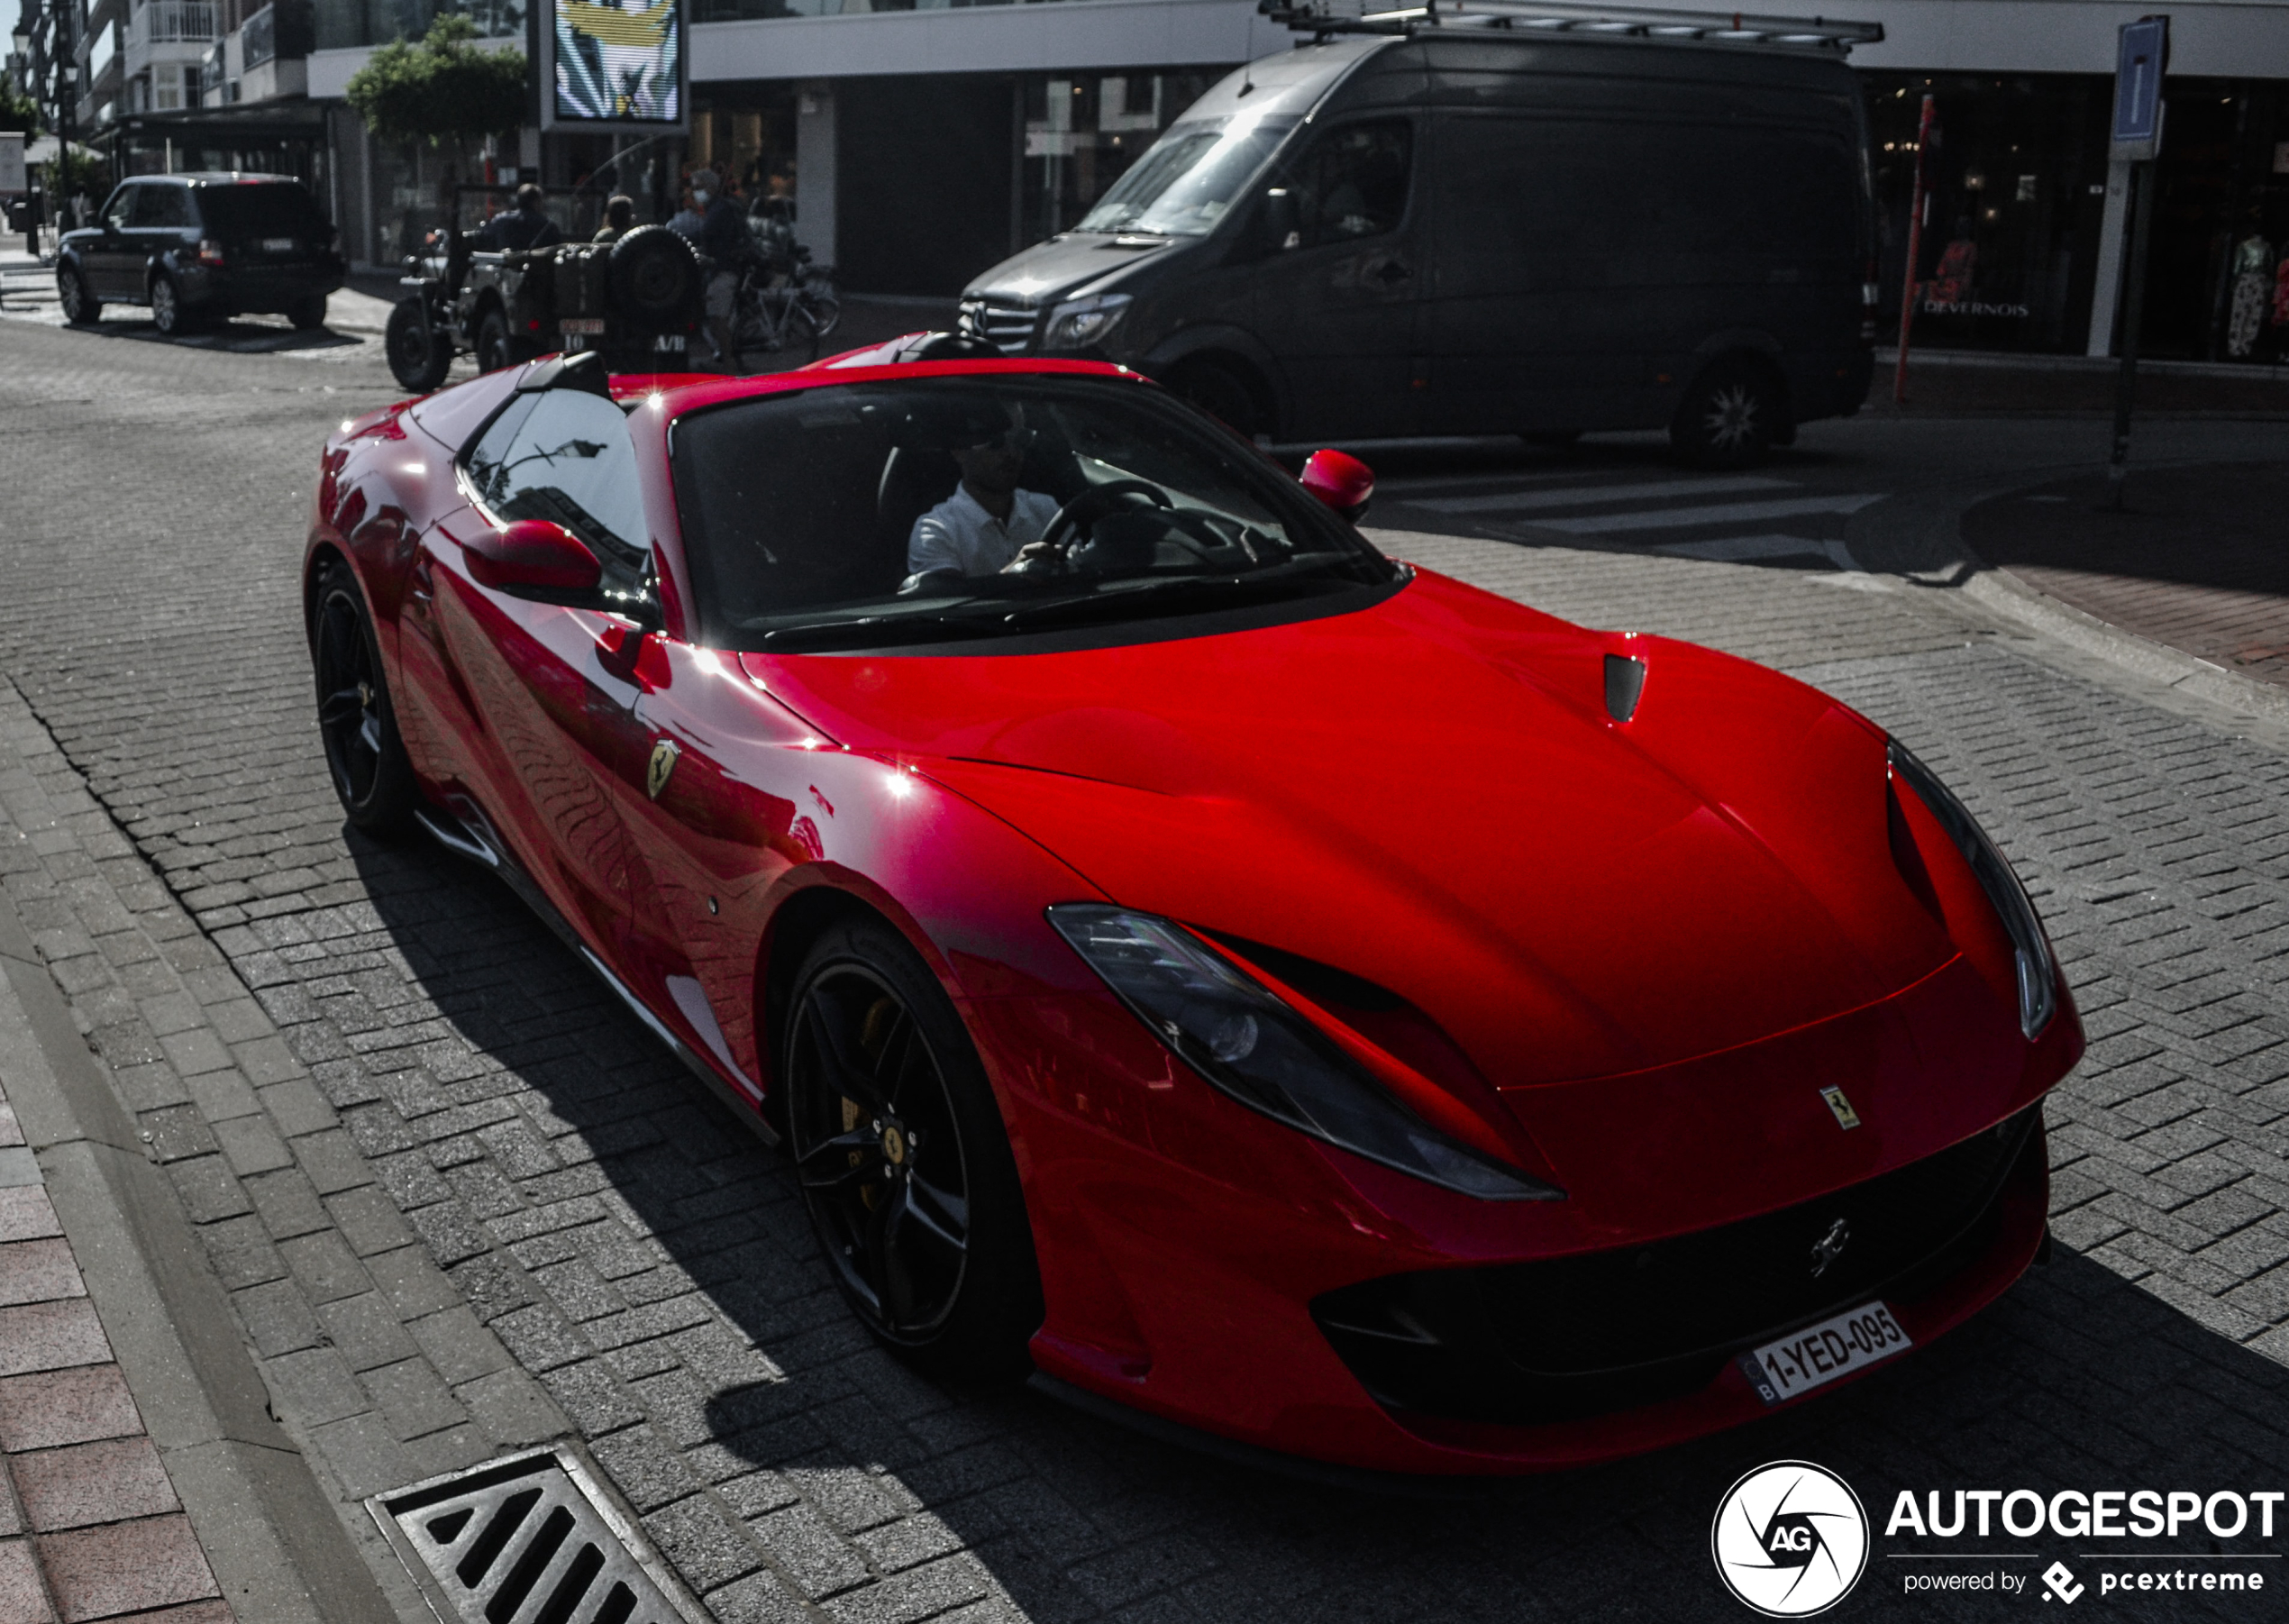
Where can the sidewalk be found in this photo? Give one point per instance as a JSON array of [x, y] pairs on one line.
[[2197, 561]]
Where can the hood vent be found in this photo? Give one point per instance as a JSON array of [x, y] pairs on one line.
[[1624, 680]]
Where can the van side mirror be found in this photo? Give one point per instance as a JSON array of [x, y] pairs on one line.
[[534, 558], [1282, 222]]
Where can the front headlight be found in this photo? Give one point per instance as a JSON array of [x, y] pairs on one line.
[[2038, 970], [1235, 1033], [1083, 323]]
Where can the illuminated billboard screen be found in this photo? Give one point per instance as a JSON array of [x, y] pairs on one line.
[[616, 62]]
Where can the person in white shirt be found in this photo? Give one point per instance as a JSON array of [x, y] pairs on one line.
[[988, 524]]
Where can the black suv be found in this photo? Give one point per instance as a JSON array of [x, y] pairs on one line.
[[202, 245]]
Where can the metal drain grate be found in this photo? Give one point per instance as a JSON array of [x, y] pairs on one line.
[[528, 1541]]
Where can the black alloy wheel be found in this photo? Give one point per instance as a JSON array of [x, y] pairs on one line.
[[365, 756], [169, 315], [419, 354], [903, 1159], [493, 350], [1731, 418], [81, 307]]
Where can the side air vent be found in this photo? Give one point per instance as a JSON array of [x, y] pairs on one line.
[[529, 1540], [1624, 680]]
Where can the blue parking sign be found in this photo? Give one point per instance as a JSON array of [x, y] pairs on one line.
[[2138, 86]]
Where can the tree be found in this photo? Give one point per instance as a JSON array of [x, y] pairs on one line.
[[444, 89], [18, 111]]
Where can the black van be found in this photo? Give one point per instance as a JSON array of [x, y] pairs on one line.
[[195, 246], [1502, 222]]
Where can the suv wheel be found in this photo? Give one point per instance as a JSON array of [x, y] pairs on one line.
[[81, 307], [307, 313], [169, 315], [1731, 418]]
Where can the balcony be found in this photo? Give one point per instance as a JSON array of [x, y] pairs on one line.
[[172, 22]]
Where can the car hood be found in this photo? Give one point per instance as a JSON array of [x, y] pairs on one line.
[[1429, 793]]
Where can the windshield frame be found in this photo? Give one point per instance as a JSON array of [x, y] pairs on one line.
[[1230, 129], [1354, 572]]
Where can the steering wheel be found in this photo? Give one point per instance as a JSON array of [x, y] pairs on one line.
[[1084, 509]]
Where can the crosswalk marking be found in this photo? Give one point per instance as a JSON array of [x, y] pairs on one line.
[[1596, 495], [1735, 513]]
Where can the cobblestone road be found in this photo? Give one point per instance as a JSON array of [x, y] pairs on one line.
[[462, 1204]]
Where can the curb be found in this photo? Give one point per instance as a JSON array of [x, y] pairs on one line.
[[275, 1548]]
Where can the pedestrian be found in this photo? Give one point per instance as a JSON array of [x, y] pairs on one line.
[[727, 244], [619, 219]]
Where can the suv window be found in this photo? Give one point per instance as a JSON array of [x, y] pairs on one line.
[[161, 207], [565, 455], [1352, 182], [116, 212], [263, 209]]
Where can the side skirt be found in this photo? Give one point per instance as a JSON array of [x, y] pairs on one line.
[[466, 840]]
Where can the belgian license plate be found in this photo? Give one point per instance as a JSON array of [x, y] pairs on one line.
[[1819, 1354], [278, 245], [590, 324]]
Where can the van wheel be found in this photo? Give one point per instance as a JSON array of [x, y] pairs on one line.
[[1222, 393], [1729, 418]]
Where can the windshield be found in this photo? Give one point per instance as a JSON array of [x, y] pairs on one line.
[[1190, 179], [957, 508]]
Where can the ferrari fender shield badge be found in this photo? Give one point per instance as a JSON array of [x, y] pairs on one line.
[[663, 763], [1846, 1116]]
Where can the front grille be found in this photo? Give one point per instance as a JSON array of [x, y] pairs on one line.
[[1572, 1337], [1009, 328], [529, 1540]]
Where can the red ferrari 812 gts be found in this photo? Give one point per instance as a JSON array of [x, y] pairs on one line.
[[1181, 951]]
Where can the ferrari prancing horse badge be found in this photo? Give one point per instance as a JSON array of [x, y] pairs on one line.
[[663, 763]]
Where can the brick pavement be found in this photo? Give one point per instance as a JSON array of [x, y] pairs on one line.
[[2195, 561], [90, 1527], [460, 1203]]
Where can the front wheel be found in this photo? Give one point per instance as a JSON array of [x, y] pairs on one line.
[[419, 354], [82, 308], [904, 1162], [1731, 418], [357, 723], [1223, 395]]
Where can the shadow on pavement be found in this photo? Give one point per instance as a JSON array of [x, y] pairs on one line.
[[2195, 559], [2075, 1379]]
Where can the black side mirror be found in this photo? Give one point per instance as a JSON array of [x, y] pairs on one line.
[[1282, 224]]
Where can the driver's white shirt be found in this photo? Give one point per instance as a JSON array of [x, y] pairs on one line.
[[959, 533]]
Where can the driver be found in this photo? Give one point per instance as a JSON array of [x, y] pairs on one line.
[[988, 524]]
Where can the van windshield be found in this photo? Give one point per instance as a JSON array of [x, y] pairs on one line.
[[1190, 179]]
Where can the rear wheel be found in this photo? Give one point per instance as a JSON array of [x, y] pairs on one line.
[[419, 355], [81, 307], [1219, 391], [1730, 417], [308, 312], [904, 1166], [169, 315], [365, 756], [493, 350]]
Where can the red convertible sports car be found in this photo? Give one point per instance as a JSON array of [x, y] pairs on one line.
[[1184, 952]]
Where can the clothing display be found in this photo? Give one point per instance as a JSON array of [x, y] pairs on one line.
[[2247, 316]]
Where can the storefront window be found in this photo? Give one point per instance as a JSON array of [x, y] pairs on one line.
[[2018, 190], [342, 23], [1082, 132]]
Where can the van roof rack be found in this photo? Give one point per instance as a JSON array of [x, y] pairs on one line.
[[1323, 18]]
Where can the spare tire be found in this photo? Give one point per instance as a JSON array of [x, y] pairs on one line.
[[654, 279]]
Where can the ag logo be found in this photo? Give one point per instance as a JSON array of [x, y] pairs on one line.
[[1790, 1539]]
